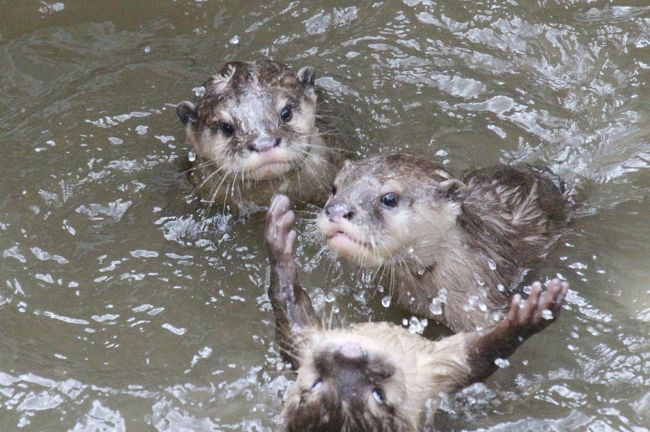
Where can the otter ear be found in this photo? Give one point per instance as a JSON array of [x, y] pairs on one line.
[[186, 112], [453, 189], [306, 76]]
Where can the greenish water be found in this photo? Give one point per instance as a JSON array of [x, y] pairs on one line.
[[124, 308]]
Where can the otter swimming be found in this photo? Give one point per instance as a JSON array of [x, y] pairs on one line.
[[255, 132], [378, 376], [454, 250]]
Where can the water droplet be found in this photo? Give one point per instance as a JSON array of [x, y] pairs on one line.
[[191, 156], [411, 250], [502, 363], [501, 288], [329, 298], [528, 289], [147, 49], [492, 264], [380, 288], [234, 40], [547, 314], [482, 307], [199, 91], [385, 302], [436, 306], [405, 322], [421, 271]]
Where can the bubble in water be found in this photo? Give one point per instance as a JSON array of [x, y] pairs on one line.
[[385, 302], [191, 156], [492, 264], [547, 314], [234, 40], [329, 298], [502, 363]]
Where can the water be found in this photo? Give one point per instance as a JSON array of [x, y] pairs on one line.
[[124, 307]]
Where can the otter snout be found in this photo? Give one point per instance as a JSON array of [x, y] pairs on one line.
[[264, 143], [338, 211]]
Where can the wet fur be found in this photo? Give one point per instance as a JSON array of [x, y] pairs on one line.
[[250, 95], [334, 391], [448, 232]]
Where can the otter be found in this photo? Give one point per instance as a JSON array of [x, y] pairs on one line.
[[379, 376], [255, 132], [453, 249]]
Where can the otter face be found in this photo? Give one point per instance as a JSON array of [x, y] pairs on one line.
[[346, 384], [254, 119], [389, 209]]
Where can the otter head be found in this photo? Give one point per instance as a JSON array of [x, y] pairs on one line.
[[348, 382], [390, 209], [254, 119]]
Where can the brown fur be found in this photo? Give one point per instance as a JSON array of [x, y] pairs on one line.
[[378, 376], [475, 238], [249, 97]]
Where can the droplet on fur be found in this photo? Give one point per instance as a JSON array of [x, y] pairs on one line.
[[502, 363], [329, 298], [385, 302], [380, 288], [501, 288], [436, 306], [492, 264], [191, 156], [547, 314]]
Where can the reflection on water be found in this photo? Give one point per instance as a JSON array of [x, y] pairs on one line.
[[123, 306]]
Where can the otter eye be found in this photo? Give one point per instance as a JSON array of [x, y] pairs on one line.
[[286, 113], [317, 383], [226, 129], [333, 190], [378, 395], [390, 200]]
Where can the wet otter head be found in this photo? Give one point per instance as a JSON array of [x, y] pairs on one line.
[[390, 209], [348, 382], [254, 119]]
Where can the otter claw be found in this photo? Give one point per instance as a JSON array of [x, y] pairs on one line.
[[540, 308], [280, 239]]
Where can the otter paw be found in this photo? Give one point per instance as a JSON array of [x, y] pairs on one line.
[[280, 239], [540, 308]]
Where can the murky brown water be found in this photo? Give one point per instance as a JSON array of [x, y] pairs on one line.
[[121, 307]]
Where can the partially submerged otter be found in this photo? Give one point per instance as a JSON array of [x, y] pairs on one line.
[[255, 132], [379, 376], [453, 250]]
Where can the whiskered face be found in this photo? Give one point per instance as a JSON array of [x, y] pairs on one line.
[[254, 119], [346, 383], [389, 208]]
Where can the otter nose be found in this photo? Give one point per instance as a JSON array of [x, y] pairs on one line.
[[264, 143], [335, 211]]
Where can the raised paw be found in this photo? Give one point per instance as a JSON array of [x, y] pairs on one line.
[[280, 239], [540, 308]]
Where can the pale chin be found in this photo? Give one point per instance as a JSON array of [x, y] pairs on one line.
[[344, 245], [269, 170]]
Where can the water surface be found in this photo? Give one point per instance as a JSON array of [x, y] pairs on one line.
[[123, 307]]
